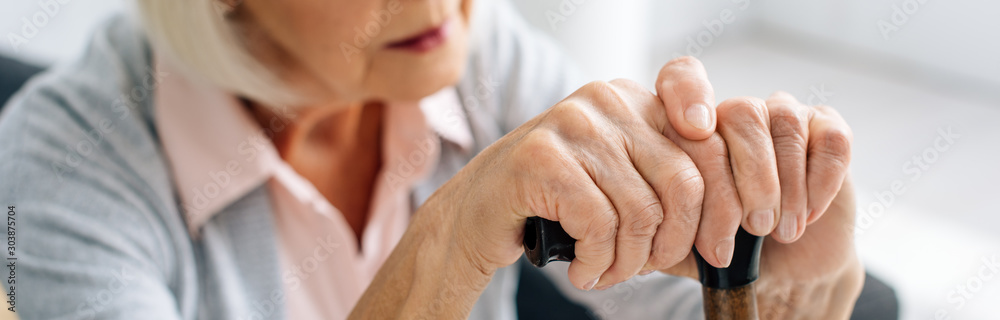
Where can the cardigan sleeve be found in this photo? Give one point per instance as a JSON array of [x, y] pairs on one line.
[[82, 222]]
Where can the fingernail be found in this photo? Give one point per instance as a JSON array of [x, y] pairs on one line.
[[645, 272], [604, 287], [698, 116], [788, 227], [724, 251], [762, 220], [590, 285]]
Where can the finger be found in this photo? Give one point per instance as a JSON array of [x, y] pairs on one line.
[[789, 133], [639, 214], [669, 171], [566, 193], [681, 189], [686, 268], [688, 97], [744, 124], [829, 158], [615, 172], [721, 211]]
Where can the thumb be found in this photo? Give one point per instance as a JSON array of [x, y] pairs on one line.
[[688, 97]]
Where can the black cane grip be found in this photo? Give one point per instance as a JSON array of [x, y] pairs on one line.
[[546, 241], [744, 269]]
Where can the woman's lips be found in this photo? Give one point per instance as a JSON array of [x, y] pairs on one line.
[[425, 41]]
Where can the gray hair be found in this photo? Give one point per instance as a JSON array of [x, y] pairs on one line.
[[208, 46]]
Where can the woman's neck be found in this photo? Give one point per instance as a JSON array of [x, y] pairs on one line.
[[338, 149]]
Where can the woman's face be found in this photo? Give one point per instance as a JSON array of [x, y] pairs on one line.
[[344, 51]]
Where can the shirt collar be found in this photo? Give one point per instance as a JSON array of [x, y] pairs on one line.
[[218, 153]]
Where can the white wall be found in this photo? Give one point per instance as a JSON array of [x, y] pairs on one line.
[[52, 30], [959, 36], [603, 36], [630, 38], [954, 43]]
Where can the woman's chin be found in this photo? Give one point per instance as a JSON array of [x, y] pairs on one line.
[[415, 83], [409, 76], [419, 87]]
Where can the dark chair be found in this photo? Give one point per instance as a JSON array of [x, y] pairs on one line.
[[13, 74]]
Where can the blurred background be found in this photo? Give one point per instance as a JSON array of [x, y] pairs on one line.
[[918, 80]]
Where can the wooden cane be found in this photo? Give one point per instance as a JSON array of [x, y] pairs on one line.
[[728, 292]]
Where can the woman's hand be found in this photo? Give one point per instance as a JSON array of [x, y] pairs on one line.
[[778, 165], [610, 163], [814, 274], [819, 276], [598, 163]]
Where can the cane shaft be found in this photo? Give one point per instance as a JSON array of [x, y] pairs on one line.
[[730, 304]]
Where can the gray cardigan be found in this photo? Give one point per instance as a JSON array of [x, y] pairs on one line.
[[100, 233]]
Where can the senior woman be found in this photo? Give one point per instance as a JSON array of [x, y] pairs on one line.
[[255, 159]]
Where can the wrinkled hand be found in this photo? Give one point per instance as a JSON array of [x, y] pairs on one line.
[[598, 163], [775, 167], [770, 165]]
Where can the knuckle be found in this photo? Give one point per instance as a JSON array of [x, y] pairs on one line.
[[784, 96], [569, 109], [538, 148], [605, 96], [836, 146], [716, 147], [643, 223], [787, 122], [573, 119], [627, 84], [766, 183], [838, 141], [597, 84], [688, 189], [604, 227], [743, 110], [788, 132], [756, 170]]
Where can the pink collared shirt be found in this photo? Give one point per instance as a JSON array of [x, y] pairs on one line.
[[218, 153]]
